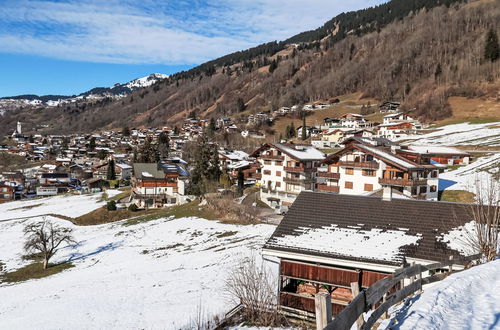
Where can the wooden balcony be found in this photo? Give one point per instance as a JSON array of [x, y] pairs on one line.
[[402, 182], [299, 169], [370, 164], [272, 157], [325, 188], [329, 175], [297, 180]]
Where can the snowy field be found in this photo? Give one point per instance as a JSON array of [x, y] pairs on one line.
[[153, 275], [475, 136], [67, 205], [466, 300], [461, 134]]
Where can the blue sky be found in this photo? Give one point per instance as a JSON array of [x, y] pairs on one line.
[[69, 46]]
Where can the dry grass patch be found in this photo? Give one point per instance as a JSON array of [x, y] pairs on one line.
[[102, 215], [459, 196], [33, 271]]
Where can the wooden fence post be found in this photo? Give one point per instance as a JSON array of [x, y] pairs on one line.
[[419, 277], [384, 299], [355, 289], [450, 268], [323, 306]]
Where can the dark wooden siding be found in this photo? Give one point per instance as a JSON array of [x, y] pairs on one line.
[[304, 303], [319, 273], [369, 278]]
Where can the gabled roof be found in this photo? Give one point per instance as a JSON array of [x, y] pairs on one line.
[[368, 229], [295, 151], [148, 170], [381, 153]]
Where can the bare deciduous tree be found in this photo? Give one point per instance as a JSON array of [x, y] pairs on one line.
[[485, 213], [45, 238], [253, 285]]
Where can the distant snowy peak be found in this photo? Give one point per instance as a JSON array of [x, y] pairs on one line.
[[146, 81], [118, 90]]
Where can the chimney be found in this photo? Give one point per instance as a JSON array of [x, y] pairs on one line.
[[387, 193]]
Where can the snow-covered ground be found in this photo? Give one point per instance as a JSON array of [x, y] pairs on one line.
[[153, 275], [462, 134], [466, 300], [473, 136], [67, 205]]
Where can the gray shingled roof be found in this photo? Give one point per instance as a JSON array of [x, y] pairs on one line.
[[314, 216]]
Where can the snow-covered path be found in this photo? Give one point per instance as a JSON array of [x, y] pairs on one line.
[[466, 300], [153, 275]]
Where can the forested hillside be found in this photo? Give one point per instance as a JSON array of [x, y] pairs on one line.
[[417, 52]]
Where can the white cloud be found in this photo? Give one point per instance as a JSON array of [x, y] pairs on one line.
[[147, 31]]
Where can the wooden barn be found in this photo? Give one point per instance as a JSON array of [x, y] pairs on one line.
[[328, 242]]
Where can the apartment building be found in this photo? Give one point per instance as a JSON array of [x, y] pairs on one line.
[[156, 184], [286, 170], [365, 166]]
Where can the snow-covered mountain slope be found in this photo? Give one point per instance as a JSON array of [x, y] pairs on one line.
[[153, 275], [466, 300], [118, 90], [146, 81]]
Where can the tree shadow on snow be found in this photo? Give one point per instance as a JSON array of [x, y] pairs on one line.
[[445, 184], [82, 256], [402, 314]]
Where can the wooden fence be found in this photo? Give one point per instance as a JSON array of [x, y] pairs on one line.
[[379, 295]]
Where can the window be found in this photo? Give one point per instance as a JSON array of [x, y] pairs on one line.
[[348, 185], [279, 163], [434, 174], [369, 172], [278, 184], [278, 173], [6, 196], [349, 171], [433, 188], [267, 162], [368, 187], [267, 172], [423, 189]]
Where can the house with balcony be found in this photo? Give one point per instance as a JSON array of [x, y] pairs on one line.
[[157, 185], [7, 191], [365, 166], [286, 170], [326, 242], [438, 154]]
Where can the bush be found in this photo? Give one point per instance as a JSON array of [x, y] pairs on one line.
[[111, 206], [133, 208]]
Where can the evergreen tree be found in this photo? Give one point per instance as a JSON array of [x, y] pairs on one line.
[[292, 130], [438, 71], [111, 173], [148, 153], [304, 128], [240, 105], [176, 130], [163, 145], [273, 66], [205, 166], [491, 48], [92, 144], [241, 182], [126, 131], [211, 126]]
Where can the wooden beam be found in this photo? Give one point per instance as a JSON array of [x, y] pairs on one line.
[[323, 307]]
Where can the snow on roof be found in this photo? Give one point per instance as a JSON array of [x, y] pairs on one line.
[[147, 174], [369, 244], [234, 154], [460, 238], [389, 156], [421, 149], [239, 164], [301, 152], [124, 166]]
